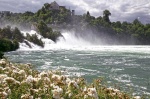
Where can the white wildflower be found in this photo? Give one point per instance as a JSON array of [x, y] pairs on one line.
[[36, 79], [56, 77], [2, 76], [43, 74], [30, 79], [52, 85], [28, 65], [26, 96], [22, 72], [10, 80], [46, 80], [9, 91], [30, 97], [85, 96], [57, 92], [38, 98], [35, 90], [2, 62], [8, 69], [63, 79], [114, 90], [49, 73], [68, 80], [92, 93], [70, 94], [137, 97], [4, 94], [14, 73], [1, 68], [85, 89], [74, 84]]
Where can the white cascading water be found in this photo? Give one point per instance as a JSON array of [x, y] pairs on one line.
[[71, 42], [68, 41], [46, 41]]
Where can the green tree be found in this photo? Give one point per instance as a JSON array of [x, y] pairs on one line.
[[106, 14], [46, 5], [88, 13], [34, 39], [17, 35], [8, 45]]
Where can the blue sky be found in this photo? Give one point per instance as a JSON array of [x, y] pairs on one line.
[[122, 10]]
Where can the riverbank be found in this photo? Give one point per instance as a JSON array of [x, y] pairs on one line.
[[21, 81]]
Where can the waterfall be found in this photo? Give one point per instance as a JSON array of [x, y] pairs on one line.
[[68, 41]]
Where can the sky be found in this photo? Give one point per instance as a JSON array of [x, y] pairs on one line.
[[121, 10]]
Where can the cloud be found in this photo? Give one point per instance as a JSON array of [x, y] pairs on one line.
[[122, 10]]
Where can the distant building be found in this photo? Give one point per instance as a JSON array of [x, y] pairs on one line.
[[54, 6]]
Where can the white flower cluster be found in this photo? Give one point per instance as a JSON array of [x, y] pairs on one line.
[[90, 92], [19, 75]]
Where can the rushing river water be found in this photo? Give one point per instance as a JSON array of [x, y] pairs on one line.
[[124, 66]]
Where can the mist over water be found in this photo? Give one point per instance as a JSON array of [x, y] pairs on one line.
[[71, 41], [125, 66]]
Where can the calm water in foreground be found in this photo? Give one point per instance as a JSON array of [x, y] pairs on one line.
[[125, 66]]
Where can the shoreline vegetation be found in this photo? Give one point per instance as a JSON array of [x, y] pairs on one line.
[[11, 37], [20, 81]]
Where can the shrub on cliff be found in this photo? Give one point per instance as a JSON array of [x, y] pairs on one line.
[[12, 34], [47, 32], [34, 39], [8, 45], [17, 35]]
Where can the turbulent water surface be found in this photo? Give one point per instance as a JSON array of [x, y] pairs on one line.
[[125, 66]]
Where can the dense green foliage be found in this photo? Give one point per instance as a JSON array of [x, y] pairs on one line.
[[12, 34], [47, 32], [111, 32], [33, 38], [7, 45], [1, 54], [25, 20], [9, 39], [116, 32]]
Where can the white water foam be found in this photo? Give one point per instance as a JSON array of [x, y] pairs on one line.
[[71, 42], [47, 42]]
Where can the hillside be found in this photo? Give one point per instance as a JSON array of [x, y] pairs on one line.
[[111, 33]]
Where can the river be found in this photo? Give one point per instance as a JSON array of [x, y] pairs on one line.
[[127, 67]]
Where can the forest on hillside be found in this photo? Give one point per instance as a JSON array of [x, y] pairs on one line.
[[113, 33]]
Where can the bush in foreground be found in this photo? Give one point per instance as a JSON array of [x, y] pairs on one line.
[[8, 45], [1, 54], [19, 81]]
